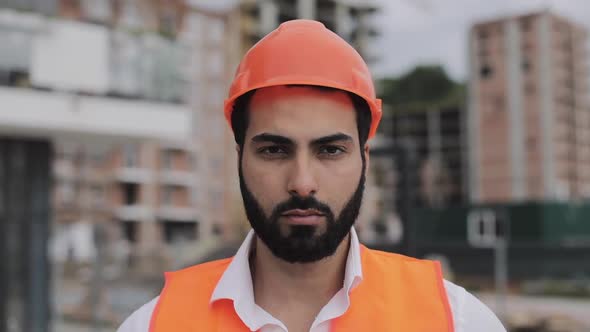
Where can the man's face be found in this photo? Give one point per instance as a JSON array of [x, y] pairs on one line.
[[301, 171]]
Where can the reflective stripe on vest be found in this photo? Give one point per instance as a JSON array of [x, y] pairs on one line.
[[397, 293]]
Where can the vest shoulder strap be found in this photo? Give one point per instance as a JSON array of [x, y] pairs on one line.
[[398, 293], [184, 302]]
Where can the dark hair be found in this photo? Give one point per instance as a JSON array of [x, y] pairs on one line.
[[239, 116]]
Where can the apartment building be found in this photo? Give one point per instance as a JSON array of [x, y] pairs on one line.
[[61, 97], [152, 56], [529, 114]]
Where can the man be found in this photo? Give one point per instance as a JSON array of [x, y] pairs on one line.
[[302, 107]]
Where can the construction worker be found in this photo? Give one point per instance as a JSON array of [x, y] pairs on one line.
[[302, 106]]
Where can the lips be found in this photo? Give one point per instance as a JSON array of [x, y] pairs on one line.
[[303, 217], [303, 213]]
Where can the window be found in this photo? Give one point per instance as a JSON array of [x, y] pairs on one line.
[[131, 156], [179, 231], [16, 52], [167, 22], [130, 229], [130, 193], [531, 142], [483, 34], [126, 56], [217, 229], [486, 71], [526, 65], [167, 160], [525, 25], [167, 195], [161, 66]]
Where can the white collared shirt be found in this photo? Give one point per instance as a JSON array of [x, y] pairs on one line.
[[469, 314]]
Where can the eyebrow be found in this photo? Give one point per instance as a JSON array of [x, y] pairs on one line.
[[331, 139], [278, 139], [271, 138]]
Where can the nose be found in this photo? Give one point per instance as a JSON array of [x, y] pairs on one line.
[[302, 181]]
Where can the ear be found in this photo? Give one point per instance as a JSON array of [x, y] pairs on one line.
[[238, 151], [367, 154]]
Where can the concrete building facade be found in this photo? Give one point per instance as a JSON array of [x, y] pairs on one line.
[[529, 114], [149, 170], [352, 20], [156, 193]]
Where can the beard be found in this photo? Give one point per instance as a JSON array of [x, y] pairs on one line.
[[302, 243]]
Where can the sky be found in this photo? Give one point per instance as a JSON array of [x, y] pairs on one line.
[[435, 31], [414, 32]]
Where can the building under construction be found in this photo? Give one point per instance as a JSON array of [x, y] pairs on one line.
[[518, 154], [352, 20], [105, 140], [529, 110]]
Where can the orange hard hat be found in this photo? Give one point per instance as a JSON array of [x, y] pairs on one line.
[[304, 52]]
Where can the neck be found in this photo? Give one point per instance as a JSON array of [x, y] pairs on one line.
[[313, 284]]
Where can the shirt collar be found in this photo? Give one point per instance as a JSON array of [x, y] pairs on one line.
[[353, 274], [236, 282]]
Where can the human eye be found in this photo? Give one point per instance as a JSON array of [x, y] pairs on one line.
[[273, 151], [331, 150]]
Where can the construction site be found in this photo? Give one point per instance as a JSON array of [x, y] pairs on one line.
[[115, 164]]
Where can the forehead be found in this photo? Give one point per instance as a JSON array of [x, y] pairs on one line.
[[301, 112]]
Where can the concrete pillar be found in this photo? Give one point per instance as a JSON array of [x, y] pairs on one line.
[[546, 106], [514, 92]]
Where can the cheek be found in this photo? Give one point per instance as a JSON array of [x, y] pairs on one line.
[[264, 183], [338, 183]]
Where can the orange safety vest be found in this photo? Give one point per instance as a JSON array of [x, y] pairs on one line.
[[397, 293]]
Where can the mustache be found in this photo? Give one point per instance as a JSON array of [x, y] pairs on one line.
[[301, 203]]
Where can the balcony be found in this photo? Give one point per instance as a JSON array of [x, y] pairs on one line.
[[134, 212], [74, 63], [134, 174], [56, 114], [177, 178], [176, 213]]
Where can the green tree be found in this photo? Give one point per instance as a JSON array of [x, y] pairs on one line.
[[422, 87]]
